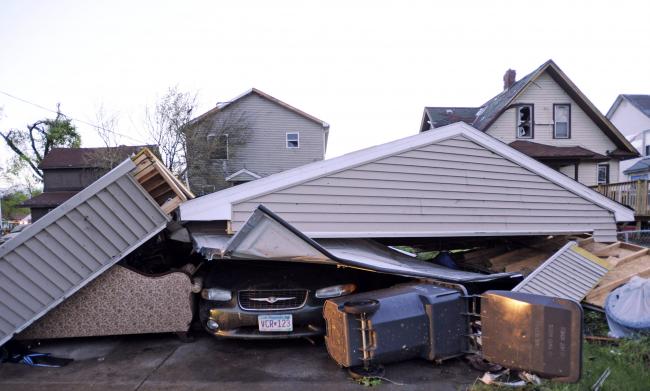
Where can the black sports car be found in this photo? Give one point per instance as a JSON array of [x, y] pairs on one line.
[[272, 299]]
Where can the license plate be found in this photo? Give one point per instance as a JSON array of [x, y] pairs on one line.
[[275, 322]]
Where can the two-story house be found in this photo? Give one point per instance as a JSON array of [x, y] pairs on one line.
[[67, 171], [257, 135], [631, 115], [547, 117]]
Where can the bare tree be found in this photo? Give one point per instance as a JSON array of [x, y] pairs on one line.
[[212, 142], [190, 147], [112, 154], [165, 123]]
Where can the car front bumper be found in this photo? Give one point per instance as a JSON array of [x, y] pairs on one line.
[[233, 322]]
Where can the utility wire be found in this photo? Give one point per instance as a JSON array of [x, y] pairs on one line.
[[74, 119]]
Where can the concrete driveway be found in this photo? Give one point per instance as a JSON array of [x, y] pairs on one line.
[[162, 362]]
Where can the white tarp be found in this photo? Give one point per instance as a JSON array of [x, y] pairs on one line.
[[628, 308]]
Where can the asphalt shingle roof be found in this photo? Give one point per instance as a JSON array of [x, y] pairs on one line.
[[441, 116], [86, 157]]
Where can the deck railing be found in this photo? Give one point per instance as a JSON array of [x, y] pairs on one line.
[[633, 194]]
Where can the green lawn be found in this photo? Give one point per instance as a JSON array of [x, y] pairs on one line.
[[629, 362]]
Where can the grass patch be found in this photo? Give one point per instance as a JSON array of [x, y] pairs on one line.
[[629, 363]]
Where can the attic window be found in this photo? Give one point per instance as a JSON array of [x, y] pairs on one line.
[[562, 121], [293, 140], [525, 121]]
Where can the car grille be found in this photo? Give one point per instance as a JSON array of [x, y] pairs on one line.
[[271, 300]]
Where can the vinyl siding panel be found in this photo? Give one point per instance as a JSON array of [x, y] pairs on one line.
[[265, 151], [71, 245], [453, 187], [543, 93]]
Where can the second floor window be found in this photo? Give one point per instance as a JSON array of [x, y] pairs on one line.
[[562, 121], [218, 146], [525, 121], [293, 140]]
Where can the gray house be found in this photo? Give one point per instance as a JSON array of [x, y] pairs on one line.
[[256, 135]]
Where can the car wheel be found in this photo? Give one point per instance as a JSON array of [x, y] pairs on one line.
[[357, 307]]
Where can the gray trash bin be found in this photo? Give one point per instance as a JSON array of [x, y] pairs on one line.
[[402, 322]]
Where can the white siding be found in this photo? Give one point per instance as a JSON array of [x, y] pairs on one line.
[[629, 120], [451, 188], [543, 93]]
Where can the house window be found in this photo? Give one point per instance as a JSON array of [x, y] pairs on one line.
[[525, 121], [218, 146], [293, 140], [647, 150], [562, 120], [603, 174]]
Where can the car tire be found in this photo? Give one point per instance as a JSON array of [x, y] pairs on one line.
[[357, 307]]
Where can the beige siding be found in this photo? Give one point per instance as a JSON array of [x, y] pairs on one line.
[[264, 152], [588, 172], [450, 188], [543, 93]]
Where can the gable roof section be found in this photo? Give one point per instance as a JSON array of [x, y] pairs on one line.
[[641, 102], [493, 108], [87, 157], [218, 206], [242, 175], [443, 116], [266, 96]]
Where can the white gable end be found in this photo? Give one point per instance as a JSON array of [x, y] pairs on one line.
[[456, 181]]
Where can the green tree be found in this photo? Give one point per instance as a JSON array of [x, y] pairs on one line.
[[30, 145], [10, 202]]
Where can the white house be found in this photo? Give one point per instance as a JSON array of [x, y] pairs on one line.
[[631, 115]]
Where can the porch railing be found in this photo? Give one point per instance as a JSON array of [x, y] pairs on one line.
[[633, 194]]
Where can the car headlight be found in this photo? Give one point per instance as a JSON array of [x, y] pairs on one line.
[[335, 291], [216, 294]]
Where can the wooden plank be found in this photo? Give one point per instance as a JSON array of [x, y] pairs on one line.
[[631, 257], [527, 265], [171, 204], [603, 251]]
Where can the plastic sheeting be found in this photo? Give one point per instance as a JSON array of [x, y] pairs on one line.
[[628, 308]]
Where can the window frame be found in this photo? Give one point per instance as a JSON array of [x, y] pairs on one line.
[[214, 136], [606, 165], [555, 122], [297, 140], [532, 120]]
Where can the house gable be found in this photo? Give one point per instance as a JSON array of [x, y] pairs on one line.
[[543, 94], [456, 181], [261, 145], [454, 187]]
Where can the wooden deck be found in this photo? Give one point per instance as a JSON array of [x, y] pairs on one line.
[[633, 194]]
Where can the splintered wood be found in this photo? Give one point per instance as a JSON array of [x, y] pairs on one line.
[[626, 260], [159, 182]]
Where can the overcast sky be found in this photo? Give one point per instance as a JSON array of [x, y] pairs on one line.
[[365, 67]]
